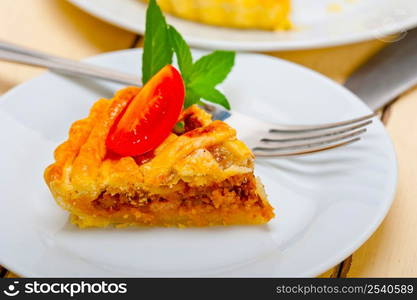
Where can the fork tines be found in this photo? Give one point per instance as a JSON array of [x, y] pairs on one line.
[[297, 140]]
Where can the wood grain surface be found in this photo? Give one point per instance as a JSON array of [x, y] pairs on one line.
[[59, 28], [392, 250], [56, 27]]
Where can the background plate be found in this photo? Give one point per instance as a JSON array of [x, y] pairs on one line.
[[327, 204], [316, 23]]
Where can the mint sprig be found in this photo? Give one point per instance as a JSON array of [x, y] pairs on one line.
[[182, 52], [209, 71], [157, 50], [201, 77], [213, 68]]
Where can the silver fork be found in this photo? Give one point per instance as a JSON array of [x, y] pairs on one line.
[[264, 138], [273, 140]]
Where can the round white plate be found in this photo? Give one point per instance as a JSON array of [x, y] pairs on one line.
[[316, 23], [326, 204]]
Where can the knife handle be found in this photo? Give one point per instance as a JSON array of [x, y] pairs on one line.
[[388, 74]]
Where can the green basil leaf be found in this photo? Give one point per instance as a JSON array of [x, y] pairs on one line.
[[182, 52], [213, 95], [157, 50], [212, 69], [191, 97]]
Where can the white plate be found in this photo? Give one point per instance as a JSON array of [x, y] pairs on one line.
[[327, 204], [315, 25]]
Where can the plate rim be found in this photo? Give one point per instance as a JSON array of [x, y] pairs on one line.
[[197, 42], [331, 261]]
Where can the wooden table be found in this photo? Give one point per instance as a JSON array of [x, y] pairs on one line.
[[59, 28]]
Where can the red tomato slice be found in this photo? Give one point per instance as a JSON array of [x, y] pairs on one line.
[[150, 117]]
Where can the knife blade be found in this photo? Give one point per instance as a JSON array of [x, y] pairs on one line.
[[387, 74]]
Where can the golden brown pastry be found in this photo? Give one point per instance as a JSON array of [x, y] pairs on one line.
[[249, 14], [200, 176]]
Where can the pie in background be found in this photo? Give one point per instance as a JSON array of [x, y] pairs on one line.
[[247, 14], [201, 175]]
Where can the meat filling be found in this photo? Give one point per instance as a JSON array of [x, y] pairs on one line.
[[236, 191]]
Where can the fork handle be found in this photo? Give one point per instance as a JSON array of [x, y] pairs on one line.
[[18, 54]]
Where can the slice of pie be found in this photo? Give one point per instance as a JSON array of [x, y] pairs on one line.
[[200, 175], [247, 14]]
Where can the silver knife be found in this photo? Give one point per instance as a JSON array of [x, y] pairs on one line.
[[387, 74]]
